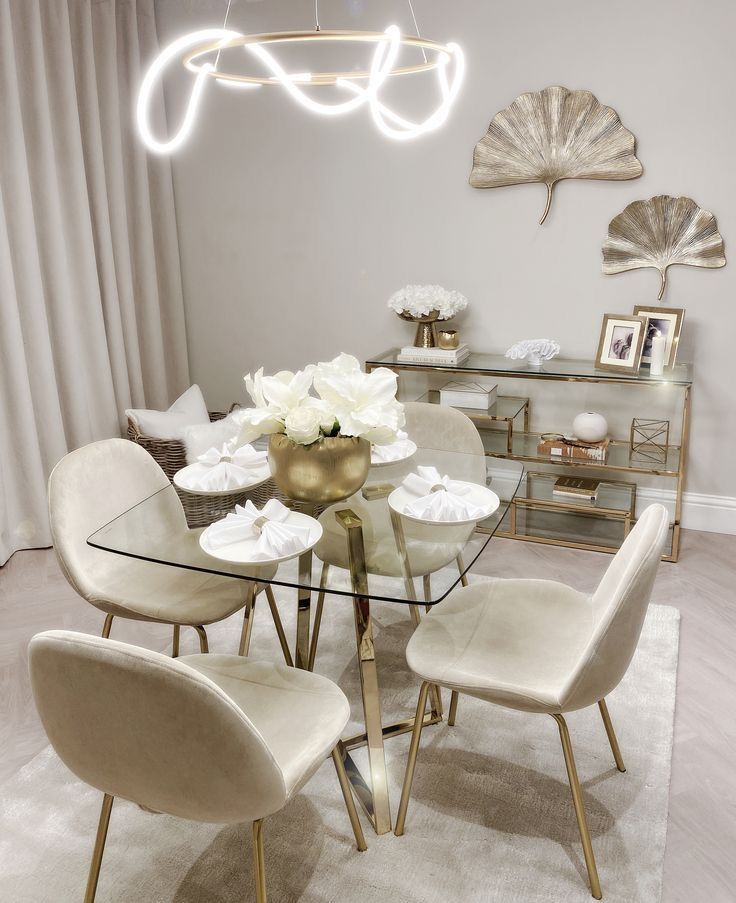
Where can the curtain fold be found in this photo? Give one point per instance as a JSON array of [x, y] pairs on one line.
[[91, 308]]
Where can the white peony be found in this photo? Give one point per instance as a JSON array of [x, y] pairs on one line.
[[303, 425]]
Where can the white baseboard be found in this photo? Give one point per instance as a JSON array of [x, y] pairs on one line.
[[710, 513]]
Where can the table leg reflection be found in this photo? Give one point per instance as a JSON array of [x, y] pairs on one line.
[[301, 650], [373, 798]]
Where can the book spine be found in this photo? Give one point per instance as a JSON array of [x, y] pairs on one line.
[[578, 496]]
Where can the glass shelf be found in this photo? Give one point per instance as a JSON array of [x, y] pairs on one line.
[[524, 448], [558, 368], [615, 498], [505, 408]]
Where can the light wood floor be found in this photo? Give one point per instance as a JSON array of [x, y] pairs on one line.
[[700, 864]]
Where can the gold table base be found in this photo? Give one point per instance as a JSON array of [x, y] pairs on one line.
[[371, 791]]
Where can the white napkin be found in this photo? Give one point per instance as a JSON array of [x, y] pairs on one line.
[[275, 537], [396, 451], [439, 497], [222, 469]]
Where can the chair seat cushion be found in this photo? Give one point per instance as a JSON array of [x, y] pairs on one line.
[[146, 591], [300, 715], [429, 547], [512, 642]]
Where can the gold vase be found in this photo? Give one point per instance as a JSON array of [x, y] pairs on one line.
[[425, 337], [324, 472]]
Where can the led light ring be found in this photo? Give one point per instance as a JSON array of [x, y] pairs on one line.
[[387, 43], [317, 78]]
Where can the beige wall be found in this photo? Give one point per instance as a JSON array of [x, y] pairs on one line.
[[295, 229]]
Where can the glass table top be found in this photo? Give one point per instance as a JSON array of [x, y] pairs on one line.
[[154, 530], [557, 368]]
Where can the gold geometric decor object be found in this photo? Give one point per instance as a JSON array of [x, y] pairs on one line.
[[550, 135], [649, 440], [661, 232]]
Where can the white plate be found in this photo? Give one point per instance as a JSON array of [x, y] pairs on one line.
[[188, 475], [480, 496], [241, 552], [407, 448]]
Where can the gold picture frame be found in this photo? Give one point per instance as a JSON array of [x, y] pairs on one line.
[[674, 317], [620, 344]]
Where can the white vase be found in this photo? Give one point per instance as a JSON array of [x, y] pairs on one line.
[[590, 427]]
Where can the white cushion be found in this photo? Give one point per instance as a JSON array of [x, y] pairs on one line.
[[188, 408], [201, 437]]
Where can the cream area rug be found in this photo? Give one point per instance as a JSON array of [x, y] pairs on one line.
[[490, 817]]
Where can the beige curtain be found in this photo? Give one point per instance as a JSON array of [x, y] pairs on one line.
[[91, 310]]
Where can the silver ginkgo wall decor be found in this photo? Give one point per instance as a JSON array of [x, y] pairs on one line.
[[550, 135], [659, 233]]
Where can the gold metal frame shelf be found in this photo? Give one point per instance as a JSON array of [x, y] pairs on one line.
[[521, 445], [524, 448], [576, 507], [505, 410]]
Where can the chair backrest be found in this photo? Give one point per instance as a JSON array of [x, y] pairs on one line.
[[136, 724], [442, 427], [91, 486], [619, 606]]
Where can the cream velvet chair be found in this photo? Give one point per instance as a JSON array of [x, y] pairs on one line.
[[540, 646], [212, 738], [90, 487], [430, 426]]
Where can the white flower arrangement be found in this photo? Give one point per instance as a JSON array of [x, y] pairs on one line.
[[421, 300], [348, 403]]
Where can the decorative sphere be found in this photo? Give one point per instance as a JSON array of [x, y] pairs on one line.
[[590, 427]]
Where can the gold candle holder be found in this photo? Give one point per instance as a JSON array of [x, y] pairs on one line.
[[448, 339]]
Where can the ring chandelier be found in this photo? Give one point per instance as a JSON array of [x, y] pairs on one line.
[[195, 51]]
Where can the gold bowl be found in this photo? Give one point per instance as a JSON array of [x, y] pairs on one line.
[[324, 472], [448, 338]]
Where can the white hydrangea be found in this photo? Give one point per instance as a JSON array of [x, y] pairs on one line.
[[421, 300]]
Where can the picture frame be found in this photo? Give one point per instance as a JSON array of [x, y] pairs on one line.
[[621, 341], [668, 321]]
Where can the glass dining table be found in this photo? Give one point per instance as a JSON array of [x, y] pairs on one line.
[[368, 553]]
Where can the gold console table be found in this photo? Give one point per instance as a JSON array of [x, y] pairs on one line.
[[505, 430]]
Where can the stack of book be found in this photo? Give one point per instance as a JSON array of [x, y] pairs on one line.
[[412, 354], [468, 395], [576, 488], [573, 448]]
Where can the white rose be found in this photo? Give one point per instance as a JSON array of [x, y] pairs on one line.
[[303, 425]]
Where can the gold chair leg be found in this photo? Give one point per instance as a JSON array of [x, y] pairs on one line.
[[94, 869], [204, 646], [453, 708], [577, 801], [412, 760], [347, 794], [615, 749], [175, 644], [106, 626], [461, 568], [259, 865], [278, 625], [249, 611], [318, 615]]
